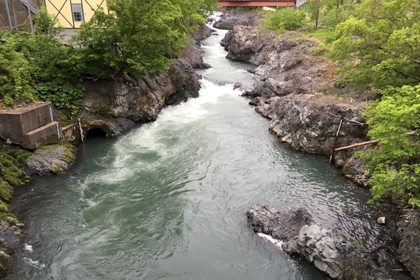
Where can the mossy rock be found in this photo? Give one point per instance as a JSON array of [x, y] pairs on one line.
[[51, 159]]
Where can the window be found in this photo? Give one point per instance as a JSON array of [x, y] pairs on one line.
[[77, 12]]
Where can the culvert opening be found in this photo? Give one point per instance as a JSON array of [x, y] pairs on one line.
[[95, 133]]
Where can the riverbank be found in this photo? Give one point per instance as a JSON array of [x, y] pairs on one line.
[[110, 108], [310, 111]]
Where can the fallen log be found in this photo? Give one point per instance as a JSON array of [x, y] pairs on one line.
[[356, 145]]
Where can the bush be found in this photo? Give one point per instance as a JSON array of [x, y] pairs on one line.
[[285, 19], [395, 163]]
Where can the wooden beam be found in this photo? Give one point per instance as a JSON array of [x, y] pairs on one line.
[[356, 145]]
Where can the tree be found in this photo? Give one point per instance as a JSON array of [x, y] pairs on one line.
[[285, 19], [139, 37], [315, 7], [378, 45], [395, 164]]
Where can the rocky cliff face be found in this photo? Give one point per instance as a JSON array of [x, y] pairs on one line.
[[297, 91], [114, 106], [141, 102]]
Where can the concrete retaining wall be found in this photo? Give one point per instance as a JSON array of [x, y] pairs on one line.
[[30, 126]]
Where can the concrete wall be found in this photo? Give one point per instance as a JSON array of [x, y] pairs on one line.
[[30, 126], [62, 9]]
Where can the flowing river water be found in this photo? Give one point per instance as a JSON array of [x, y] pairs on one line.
[[168, 199]]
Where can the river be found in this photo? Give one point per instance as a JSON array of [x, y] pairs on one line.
[[168, 199]]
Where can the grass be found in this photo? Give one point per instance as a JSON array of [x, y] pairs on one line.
[[324, 38]]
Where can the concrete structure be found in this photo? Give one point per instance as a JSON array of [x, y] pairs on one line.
[[257, 3], [72, 13], [30, 126]]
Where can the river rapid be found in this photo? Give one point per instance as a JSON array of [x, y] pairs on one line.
[[168, 199]]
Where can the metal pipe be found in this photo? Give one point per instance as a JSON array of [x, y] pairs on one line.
[[14, 16], [30, 16], [8, 14]]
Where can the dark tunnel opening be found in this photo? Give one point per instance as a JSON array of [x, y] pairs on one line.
[[95, 133]]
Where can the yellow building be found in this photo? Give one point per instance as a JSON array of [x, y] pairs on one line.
[[72, 13]]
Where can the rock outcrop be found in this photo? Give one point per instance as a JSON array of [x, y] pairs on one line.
[[142, 101], [10, 240], [409, 248], [298, 92], [51, 159], [332, 253], [114, 106], [233, 17]]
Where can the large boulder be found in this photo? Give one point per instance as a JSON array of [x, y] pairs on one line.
[[309, 123], [248, 44], [233, 17], [332, 253], [50, 159]]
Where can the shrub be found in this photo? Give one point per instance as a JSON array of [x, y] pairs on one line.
[[285, 19]]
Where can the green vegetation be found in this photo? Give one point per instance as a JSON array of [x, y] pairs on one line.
[[10, 176], [378, 47], [359, 245], [285, 19], [135, 38], [121, 44], [395, 165], [27, 64]]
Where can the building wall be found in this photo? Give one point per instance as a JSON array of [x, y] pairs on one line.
[[66, 11]]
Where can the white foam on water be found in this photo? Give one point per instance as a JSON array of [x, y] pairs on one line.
[[29, 248], [153, 138], [33, 263], [276, 242]]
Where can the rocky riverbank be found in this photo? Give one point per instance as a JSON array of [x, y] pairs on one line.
[[298, 91], [112, 107]]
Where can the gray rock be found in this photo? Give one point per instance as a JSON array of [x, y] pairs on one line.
[[233, 17], [331, 253], [49, 160], [409, 247]]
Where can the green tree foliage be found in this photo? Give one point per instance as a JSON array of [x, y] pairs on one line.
[[328, 13], [140, 37], [45, 24], [15, 74], [36, 66], [379, 44], [315, 7], [285, 19], [395, 164]]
